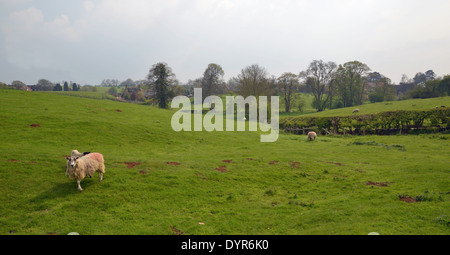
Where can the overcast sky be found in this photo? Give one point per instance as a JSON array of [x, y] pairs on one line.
[[86, 41]]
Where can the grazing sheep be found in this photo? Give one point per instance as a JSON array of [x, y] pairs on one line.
[[356, 110], [78, 168], [75, 153], [311, 136], [443, 106]]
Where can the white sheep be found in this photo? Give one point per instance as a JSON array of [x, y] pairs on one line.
[[311, 136], [356, 110], [80, 167]]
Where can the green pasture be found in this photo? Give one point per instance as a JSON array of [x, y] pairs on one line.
[[204, 183]]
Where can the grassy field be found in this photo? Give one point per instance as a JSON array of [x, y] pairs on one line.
[[410, 105], [209, 183]]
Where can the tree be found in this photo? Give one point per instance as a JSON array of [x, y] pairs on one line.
[[421, 78], [254, 81], [405, 79], [444, 86], [128, 82], [350, 82], [19, 85], [44, 85], [212, 80], [319, 77], [66, 86], [287, 84], [57, 87], [75, 87], [110, 83], [161, 78]]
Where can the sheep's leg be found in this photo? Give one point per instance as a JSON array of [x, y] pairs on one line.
[[79, 186], [100, 175]]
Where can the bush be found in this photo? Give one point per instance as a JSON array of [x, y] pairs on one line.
[[436, 118]]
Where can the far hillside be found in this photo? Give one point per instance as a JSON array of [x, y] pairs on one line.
[[406, 105]]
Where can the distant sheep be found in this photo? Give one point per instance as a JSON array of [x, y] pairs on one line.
[[75, 153], [355, 111], [80, 167], [312, 136]]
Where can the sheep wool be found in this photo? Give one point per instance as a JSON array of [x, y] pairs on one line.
[[80, 167], [312, 136]]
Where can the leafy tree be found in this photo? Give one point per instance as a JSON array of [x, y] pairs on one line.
[[57, 87], [75, 87], [161, 78], [288, 84], [19, 85], [350, 84], [66, 86], [444, 86], [44, 85]]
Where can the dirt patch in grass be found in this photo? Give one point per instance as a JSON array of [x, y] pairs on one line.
[[378, 184], [132, 164], [227, 161], [142, 172], [295, 164], [176, 231], [14, 160], [221, 169], [173, 163], [408, 199], [274, 162], [337, 164], [249, 159], [118, 110], [34, 125], [201, 175]]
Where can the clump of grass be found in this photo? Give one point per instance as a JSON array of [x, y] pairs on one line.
[[270, 192], [422, 198]]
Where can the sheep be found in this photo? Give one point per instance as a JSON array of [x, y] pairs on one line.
[[75, 153], [311, 136], [355, 111], [80, 167]]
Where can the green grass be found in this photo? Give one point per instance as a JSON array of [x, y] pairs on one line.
[[410, 104], [325, 193]]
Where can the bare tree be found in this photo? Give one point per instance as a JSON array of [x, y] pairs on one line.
[[319, 77], [287, 84], [254, 81]]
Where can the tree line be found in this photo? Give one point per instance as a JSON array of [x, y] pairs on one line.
[[331, 85]]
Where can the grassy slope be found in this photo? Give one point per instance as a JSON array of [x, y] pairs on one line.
[[252, 197], [410, 104]]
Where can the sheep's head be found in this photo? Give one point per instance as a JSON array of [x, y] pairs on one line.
[[72, 161]]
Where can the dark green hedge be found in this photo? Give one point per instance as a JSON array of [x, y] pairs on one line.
[[402, 120]]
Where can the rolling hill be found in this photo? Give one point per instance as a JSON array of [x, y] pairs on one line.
[[158, 181]]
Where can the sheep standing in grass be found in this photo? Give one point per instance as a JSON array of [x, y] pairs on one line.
[[80, 167], [355, 111], [312, 136]]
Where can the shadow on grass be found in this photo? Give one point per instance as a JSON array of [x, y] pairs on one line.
[[58, 191]]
